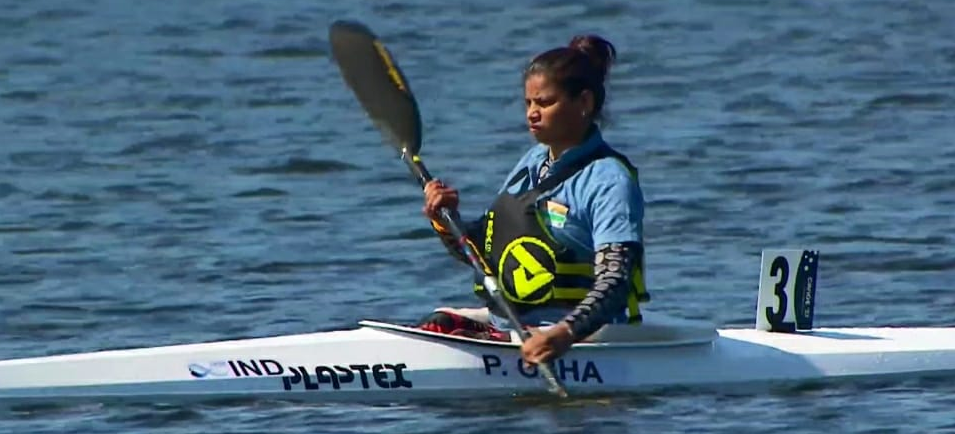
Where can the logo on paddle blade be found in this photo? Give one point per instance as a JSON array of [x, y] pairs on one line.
[[390, 67]]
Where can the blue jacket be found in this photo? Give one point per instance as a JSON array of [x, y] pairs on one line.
[[601, 204]]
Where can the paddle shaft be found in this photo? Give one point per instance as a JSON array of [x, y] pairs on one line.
[[453, 223]]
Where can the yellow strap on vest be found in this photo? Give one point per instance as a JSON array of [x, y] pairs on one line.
[[575, 269], [637, 294], [570, 293]]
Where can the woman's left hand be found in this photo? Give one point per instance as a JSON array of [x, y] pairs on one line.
[[545, 346]]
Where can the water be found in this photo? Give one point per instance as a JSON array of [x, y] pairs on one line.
[[175, 171]]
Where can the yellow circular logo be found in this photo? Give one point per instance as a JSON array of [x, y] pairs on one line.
[[524, 271]]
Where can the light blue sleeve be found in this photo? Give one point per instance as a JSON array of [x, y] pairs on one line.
[[616, 209]]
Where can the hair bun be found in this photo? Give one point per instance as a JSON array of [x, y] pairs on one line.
[[599, 50]]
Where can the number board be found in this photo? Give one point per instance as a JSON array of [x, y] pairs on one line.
[[787, 290]]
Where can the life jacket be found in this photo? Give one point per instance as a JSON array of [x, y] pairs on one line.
[[532, 268]]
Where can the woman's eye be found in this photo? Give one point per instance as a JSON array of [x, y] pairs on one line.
[[539, 102]]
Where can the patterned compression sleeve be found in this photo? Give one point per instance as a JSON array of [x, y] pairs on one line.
[[447, 238], [613, 265]]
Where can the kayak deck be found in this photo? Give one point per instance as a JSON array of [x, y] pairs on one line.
[[852, 340]]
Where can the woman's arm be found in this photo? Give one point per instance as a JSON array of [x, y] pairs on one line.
[[613, 268], [450, 243]]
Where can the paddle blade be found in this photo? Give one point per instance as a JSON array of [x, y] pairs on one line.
[[373, 75]]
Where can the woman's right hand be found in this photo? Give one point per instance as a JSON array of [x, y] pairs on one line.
[[436, 196]]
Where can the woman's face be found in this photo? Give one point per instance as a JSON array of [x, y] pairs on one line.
[[553, 117]]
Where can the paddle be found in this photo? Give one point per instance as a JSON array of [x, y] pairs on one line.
[[381, 87]]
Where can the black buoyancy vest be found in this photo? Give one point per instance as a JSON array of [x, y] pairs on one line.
[[532, 268]]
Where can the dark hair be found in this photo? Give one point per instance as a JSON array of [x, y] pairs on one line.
[[581, 65]]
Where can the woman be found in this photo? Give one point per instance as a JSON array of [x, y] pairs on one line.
[[565, 235]]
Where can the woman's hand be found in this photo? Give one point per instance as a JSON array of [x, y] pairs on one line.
[[548, 345], [437, 195]]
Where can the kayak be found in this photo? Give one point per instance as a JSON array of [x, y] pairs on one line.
[[380, 361]]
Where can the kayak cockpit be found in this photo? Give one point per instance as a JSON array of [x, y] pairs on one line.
[[654, 331]]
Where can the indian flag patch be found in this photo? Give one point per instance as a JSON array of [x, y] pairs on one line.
[[556, 214]]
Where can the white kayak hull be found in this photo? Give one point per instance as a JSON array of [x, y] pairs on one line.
[[382, 362]]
